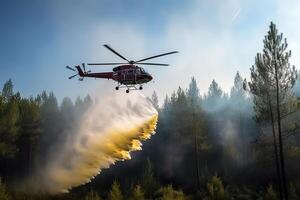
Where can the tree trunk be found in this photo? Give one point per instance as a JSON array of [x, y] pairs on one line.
[[196, 160], [285, 192], [276, 153], [196, 147]]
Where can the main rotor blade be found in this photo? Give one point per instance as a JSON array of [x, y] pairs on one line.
[[107, 63], [73, 76], [112, 50], [83, 66], [164, 54], [70, 68], [158, 64]]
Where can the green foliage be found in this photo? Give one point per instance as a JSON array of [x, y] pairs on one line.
[[243, 193], [3, 192], [35, 197], [149, 183], [7, 91], [168, 193], [237, 92], [272, 81], [275, 57], [214, 98], [193, 91], [214, 90], [9, 126], [30, 126], [48, 102], [270, 194], [215, 189], [67, 113], [293, 192], [115, 192], [137, 193], [91, 195], [66, 105]]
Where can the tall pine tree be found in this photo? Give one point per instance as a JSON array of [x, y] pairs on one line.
[[272, 80]]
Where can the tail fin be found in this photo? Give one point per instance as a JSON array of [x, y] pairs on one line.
[[80, 72]]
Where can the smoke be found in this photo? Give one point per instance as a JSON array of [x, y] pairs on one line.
[[109, 130], [297, 86], [231, 126]]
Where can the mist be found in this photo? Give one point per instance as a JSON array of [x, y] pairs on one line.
[[225, 128]]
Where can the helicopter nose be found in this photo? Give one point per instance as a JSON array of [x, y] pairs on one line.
[[150, 77]]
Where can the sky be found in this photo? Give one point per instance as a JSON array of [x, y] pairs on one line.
[[215, 39]]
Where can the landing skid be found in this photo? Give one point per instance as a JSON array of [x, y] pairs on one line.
[[129, 87]]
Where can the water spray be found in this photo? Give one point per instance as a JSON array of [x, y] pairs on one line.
[[109, 131]]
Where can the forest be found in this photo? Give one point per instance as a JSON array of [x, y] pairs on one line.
[[244, 144]]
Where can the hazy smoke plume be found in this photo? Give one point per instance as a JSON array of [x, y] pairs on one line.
[[108, 132]]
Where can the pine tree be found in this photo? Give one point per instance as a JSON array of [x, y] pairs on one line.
[[168, 193], [214, 96], [293, 192], [166, 105], [51, 122], [237, 92], [30, 129], [9, 127], [78, 108], [193, 91], [68, 113], [196, 119], [214, 90], [154, 99], [3, 192], [137, 193], [260, 87], [215, 189], [115, 192], [270, 194], [87, 101], [92, 196], [272, 80], [7, 91], [239, 108], [148, 182], [297, 86]]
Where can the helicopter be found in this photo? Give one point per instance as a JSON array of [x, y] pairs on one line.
[[127, 74]]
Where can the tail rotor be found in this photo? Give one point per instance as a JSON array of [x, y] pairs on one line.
[[79, 71], [85, 72], [74, 70]]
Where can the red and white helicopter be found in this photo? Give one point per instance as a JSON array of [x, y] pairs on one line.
[[127, 75]]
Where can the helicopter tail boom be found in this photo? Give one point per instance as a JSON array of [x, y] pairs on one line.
[[107, 75]]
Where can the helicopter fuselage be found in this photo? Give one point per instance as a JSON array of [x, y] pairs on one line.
[[130, 75], [123, 74]]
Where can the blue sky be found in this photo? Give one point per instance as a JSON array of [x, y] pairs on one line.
[[215, 39]]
